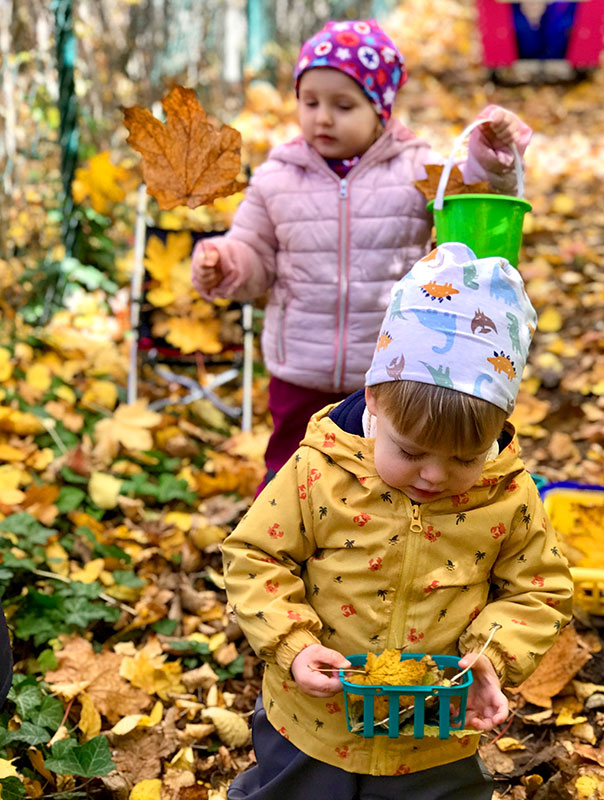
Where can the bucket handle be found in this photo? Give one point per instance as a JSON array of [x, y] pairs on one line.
[[444, 178]]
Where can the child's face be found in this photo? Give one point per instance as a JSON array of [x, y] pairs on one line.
[[423, 474], [335, 114]]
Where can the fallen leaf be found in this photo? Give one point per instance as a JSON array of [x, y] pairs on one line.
[[187, 161], [455, 185]]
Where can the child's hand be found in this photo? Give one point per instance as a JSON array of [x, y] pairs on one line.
[[487, 704], [314, 657], [206, 271], [502, 129]]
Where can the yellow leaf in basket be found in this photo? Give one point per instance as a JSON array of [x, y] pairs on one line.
[[160, 258], [191, 335]]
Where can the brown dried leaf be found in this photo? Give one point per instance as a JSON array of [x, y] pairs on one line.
[[558, 667], [455, 184], [187, 160], [111, 695]]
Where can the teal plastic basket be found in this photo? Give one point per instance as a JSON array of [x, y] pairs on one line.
[[441, 696]]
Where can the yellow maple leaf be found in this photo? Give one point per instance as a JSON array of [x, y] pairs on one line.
[[190, 335], [90, 719], [101, 181], [187, 160], [149, 671], [129, 427], [160, 258]]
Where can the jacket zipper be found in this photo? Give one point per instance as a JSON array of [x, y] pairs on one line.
[[343, 284], [416, 521]]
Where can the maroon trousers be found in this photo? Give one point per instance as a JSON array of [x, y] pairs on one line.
[[291, 407]]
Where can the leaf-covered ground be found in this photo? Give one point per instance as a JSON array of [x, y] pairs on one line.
[[131, 678]]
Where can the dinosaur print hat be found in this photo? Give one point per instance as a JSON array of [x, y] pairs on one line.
[[458, 321]]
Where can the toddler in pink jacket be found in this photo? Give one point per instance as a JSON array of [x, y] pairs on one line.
[[333, 219]]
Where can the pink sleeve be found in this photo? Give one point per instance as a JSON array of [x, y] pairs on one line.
[[495, 164], [247, 251]]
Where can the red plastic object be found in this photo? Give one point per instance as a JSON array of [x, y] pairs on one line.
[[496, 23]]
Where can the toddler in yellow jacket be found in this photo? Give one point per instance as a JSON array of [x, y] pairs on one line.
[[407, 520]]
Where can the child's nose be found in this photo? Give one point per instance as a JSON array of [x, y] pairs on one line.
[[323, 115], [434, 472]]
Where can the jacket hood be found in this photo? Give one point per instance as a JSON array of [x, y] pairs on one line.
[[396, 137], [356, 455]]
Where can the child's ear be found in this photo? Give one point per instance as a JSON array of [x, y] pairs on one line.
[[370, 402]]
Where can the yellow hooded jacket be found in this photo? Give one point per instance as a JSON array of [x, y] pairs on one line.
[[330, 554]]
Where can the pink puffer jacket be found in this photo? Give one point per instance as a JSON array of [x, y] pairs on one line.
[[329, 250]]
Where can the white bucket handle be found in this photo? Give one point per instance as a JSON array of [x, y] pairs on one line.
[[444, 178]]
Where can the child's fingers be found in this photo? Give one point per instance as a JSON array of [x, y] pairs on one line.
[[211, 256]]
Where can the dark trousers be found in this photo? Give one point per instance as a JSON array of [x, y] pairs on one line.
[[291, 407], [283, 772]]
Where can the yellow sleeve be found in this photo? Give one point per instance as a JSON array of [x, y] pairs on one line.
[[263, 562], [531, 597]]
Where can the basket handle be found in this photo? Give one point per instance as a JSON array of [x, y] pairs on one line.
[[444, 177]]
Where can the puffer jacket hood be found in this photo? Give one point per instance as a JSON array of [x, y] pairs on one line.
[[330, 554]]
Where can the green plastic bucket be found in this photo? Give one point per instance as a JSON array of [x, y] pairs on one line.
[[490, 224]]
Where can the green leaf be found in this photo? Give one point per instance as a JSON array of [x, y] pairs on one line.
[[69, 499], [165, 627], [80, 612], [124, 577], [12, 788], [10, 561], [30, 734], [47, 660], [72, 477], [234, 668], [86, 760], [201, 648], [173, 488], [27, 527], [28, 700], [49, 714]]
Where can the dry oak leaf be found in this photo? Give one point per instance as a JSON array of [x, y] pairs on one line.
[[557, 668], [111, 695], [187, 161], [455, 184]]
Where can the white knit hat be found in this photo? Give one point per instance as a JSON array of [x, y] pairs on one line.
[[458, 321]]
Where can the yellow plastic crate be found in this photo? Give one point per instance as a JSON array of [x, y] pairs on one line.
[[577, 512], [589, 589]]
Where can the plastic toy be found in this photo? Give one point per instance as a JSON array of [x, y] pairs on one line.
[[491, 224]]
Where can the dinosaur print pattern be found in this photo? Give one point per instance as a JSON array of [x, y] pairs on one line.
[[395, 305], [482, 323], [384, 340], [503, 364], [469, 275], [501, 289], [440, 376], [395, 368], [514, 331], [441, 322], [439, 291]]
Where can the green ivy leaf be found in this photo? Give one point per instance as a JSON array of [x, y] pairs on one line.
[[86, 760], [70, 498], [26, 527], [125, 577], [12, 789], [173, 488], [49, 714], [80, 612], [30, 734], [73, 477], [27, 700]]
